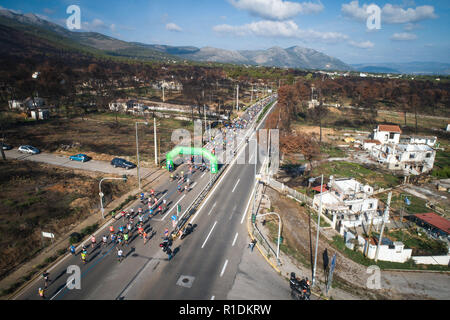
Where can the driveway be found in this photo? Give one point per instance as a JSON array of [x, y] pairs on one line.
[[63, 161]]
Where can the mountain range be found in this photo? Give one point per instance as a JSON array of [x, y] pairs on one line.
[[293, 57]]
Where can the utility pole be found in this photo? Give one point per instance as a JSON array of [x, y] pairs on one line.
[[251, 99], [237, 98], [318, 229], [137, 153], [164, 100], [386, 213], [156, 145]]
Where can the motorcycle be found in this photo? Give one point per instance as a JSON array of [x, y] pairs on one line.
[[300, 289], [187, 231]]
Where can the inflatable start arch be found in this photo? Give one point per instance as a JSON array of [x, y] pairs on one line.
[[192, 151]]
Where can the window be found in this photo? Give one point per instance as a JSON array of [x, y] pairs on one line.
[[428, 155], [370, 205], [391, 135], [412, 155]]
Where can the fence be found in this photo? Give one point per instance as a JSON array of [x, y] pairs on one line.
[[282, 188]]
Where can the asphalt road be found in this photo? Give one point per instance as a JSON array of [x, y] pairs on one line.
[[206, 263], [62, 161]]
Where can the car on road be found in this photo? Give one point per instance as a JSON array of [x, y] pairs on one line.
[[80, 157], [5, 146], [29, 149], [122, 163]]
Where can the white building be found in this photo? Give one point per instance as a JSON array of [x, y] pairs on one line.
[[430, 141], [118, 106], [387, 134], [348, 201], [412, 159]]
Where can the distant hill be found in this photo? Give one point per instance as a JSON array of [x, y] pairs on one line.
[[294, 57], [417, 67]]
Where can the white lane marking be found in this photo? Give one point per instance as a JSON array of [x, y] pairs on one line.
[[194, 185], [234, 241], [202, 175], [212, 208], [212, 298], [174, 206], [249, 201], [236, 185], [223, 269], [209, 234]]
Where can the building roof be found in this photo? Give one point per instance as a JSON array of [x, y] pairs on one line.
[[377, 142], [435, 220], [389, 128], [318, 189]]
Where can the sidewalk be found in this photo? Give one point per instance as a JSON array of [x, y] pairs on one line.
[[63, 242]]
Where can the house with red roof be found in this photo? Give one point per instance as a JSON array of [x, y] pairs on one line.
[[387, 133]]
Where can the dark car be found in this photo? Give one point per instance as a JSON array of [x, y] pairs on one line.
[[122, 163], [5, 146]]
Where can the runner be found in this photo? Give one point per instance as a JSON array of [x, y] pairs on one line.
[[111, 229], [160, 209], [72, 249], [165, 203], [83, 257], [104, 240], [166, 232], [41, 293], [151, 212], [152, 192], [186, 188], [45, 276], [119, 254], [140, 230], [129, 227], [121, 229], [125, 238], [93, 241], [145, 237], [113, 238]]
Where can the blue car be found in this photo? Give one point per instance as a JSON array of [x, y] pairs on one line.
[[80, 157]]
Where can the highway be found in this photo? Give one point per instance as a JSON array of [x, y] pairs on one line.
[[205, 263]]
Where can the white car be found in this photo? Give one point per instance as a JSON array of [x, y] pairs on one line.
[[29, 149]]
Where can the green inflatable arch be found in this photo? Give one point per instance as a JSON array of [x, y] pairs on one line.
[[192, 151]]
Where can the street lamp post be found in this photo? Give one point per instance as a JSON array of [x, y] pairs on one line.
[[279, 232], [137, 153], [124, 178]]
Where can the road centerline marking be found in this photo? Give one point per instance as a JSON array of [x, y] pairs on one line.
[[234, 241], [236, 185], [209, 234], [224, 267]]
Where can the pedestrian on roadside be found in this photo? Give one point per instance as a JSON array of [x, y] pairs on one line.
[[252, 244]]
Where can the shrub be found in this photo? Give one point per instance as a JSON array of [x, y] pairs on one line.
[[75, 238]]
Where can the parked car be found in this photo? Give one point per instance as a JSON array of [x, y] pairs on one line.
[[122, 163], [80, 157], [5, 146], [29, 149]]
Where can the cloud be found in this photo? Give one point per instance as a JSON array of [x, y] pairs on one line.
[[12, 10], [361, 45], [390, 14], [173, 27], [404, 36], [276, 9], [97, 23], [284, 29]]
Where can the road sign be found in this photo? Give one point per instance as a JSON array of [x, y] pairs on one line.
[[178, 209], [174, 218], [48, 235], [330, 275]]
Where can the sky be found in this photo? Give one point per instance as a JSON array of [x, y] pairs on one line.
[[409, 30]]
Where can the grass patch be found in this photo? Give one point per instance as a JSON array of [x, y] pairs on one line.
[[332, 151], [398, 203], [267, 107], [366, 175]]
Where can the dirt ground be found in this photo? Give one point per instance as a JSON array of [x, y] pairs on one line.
[[96, 135], [299, 233], [37, 197]]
